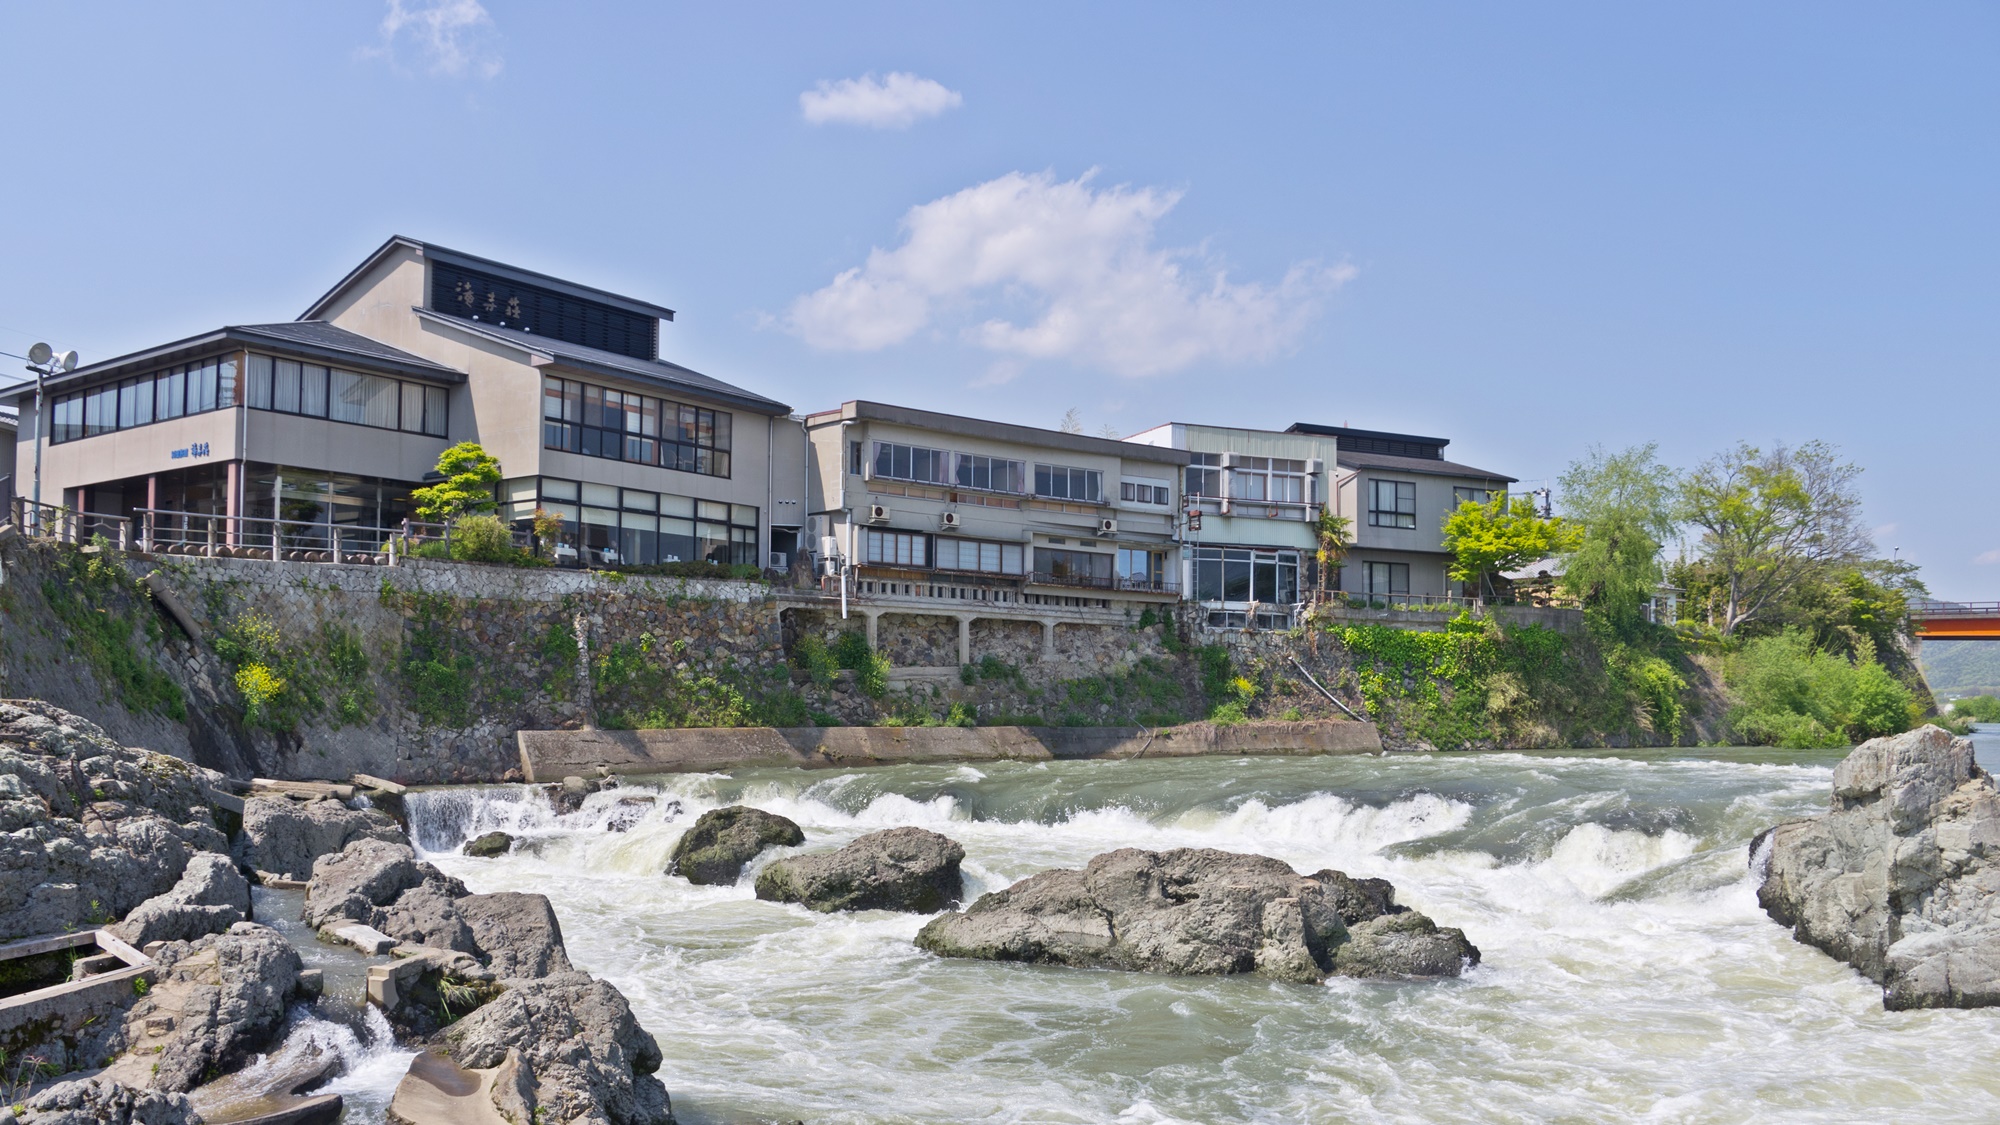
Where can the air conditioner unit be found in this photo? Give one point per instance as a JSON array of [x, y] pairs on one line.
[[1315, 466], [1231, 460], [949, 521], [780, 561], [829, 546], [878, 513], [1107, 526]]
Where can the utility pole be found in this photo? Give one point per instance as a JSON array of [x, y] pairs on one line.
[[43, 361]]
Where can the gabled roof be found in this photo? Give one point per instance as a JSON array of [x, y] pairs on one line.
[[314, 340], [1428, 466], [502, 270], [670, 377], [863, 410]]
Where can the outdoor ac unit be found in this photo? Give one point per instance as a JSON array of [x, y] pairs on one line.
[[829, 546], [949, 521], [1231, 460], [1314, 467], [1107, 526], [780, 561], [878, 513]]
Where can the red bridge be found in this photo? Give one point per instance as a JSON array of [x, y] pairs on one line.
[[1955, 621]]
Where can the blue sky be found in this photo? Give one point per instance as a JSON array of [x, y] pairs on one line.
[[1527, 227]]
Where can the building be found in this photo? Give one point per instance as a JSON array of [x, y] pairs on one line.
[[328, 422], [970, 517], [1396, 490], [1258, 494], [9, 426]]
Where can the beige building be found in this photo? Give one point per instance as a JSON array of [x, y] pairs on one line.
[[1253, 499], [329, 421], [1396, 490], [914, 508], [9, 426]]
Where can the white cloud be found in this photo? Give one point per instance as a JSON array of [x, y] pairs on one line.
[[456, 37], [1082, 263], [895, 102], [1988, 559]]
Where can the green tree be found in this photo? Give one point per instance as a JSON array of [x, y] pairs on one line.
[[1503, 534], [1786, 692], [469, 476], [1331, 533], [1769, 521], [1624, 504]]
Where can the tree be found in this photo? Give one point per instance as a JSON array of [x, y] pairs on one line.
[[1769, 520], [469, 476], [1624, 503], [1331, 531], [1485, 539], [1072, 421]]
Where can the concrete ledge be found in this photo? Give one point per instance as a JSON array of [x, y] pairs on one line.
[[29, 1018], [550, 755]]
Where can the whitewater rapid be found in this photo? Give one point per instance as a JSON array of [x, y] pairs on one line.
[[1628, 972]]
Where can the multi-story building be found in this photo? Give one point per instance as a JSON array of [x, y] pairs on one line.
[[973, 516], [9, 426], [1252, 498], [329, 421], [1396, 490]]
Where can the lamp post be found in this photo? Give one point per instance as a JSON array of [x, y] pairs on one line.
[[43, 361]]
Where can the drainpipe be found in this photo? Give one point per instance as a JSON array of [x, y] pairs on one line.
[[847, 564]]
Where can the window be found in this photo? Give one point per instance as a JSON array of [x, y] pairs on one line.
[[1146, 492], [986, 558], [854, 457], [1060, 482], [1388, 578], [144, 399], [1276, 480], [603, 525], [1392, 503], [1461, 495], [911, 462], [1142, 570], [1223, 574], [626, 426], [292, 387], [993, 474], [895, 548], [1072, 568], [1204, 474]]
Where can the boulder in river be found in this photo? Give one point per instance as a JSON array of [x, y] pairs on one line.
[[97, 1101], [284, 837], [90, 829], [581, 1055], [210, 897], [351, 884], [1901, 877], [714, 851], [489, 844], [910, 869], [1193, 911]]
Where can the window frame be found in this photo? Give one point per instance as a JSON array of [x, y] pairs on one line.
[[1396, 515]]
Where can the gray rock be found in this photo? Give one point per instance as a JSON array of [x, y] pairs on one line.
[[285, 837], [714, 851], [90, 829], [352, 883], [516, 934], [1403, 944], [1901, 877], [213, 1003], [908, 869], [488, 845], [212, 896], [94, 1101], [1359, 900], [588, 1059]]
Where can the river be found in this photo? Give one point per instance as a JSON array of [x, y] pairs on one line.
[[1628, 974]]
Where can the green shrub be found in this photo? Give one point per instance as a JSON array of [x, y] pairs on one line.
[[812, 656], [1788, 693], [1977, 709], [961, 715], [481, 538], [97, 601]]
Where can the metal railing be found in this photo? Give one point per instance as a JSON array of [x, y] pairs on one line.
[[161, 531], [66, 525], [1936, 609], [1104, 582]]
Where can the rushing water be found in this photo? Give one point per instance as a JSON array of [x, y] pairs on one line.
[[1628, 974]]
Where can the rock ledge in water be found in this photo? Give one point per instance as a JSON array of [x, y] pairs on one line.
[[1901, 879], [713, 852], [908, 869], [285, 837], [489, 844], [1201, 911]]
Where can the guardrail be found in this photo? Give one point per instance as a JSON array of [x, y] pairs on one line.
[[162, 531], [1954, 609], [65, 525]]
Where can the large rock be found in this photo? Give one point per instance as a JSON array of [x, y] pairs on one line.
[[586, 1059], [95, 1101], [1403, 944], [354, 883], [90, 829], [213, 1004], [1901, 877], [516, 934], [211, 896], [1192, 911], [714, 851], [284, 837], [908, 869]]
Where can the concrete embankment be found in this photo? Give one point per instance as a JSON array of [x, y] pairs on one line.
[[550, 755]]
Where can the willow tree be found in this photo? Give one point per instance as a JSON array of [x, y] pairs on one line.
[[1624, 504]]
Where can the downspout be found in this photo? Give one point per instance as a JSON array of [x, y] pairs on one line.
[[847, 563], [770, 489]]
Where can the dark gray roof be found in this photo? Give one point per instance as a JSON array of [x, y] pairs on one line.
[[445, 254], [1425, 465], [1000, 431], [308, 339], [670, 377], [9, 422]]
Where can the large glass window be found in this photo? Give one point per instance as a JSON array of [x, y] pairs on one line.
[[1204, 474], [1146, 492], [608, 526], [143, 400], [1073, 568], [895, 548], [625, 426], [911, 462], [1462, 495], [1224, 574], [982, 557], [1141, 569], [992, 474], [1392, 503], [1388, 578], [1271, 479], [1061, 482]]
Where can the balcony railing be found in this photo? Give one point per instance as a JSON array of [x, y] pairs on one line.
[[1111, 582]]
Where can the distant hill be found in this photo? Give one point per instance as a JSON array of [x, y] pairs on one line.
[[1961, 667]]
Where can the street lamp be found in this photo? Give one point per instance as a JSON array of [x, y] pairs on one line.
[[44, 362]]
